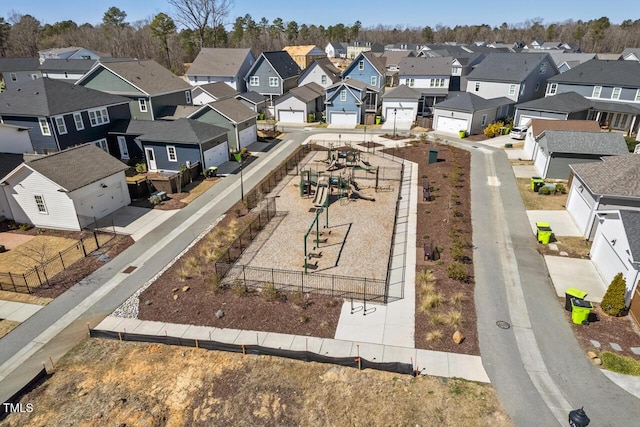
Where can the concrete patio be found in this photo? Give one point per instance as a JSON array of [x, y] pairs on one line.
[[575, 273], [560, 222]]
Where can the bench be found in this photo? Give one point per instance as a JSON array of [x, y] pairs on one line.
[[161, 194], [428, 251], [426, 195]]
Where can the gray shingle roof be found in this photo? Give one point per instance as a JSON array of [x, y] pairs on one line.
[[468, 102], [568, 102], [402, 92], [173, 112], [538, 126], [615, 107], [425, 67], [50, 97], [181, 131], [9, 162], [148, 75], [378, 62], [218, 62], [78, 166], [394, 57], [80, 65], [508, 67], [252, 96], [635, 51], [19, 64], [572, 142], [631, 221], [305, 93], [218, 90], [614, 176], [283, 63], [327, 66], [596, 72], [233, 109], [560, 57]]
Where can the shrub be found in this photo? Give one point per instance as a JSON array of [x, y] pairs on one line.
[[239, 289], [438, 319], [621, 364], [141, 167], [560, 188], [271, 293], [454, 319], [457, 271], [435, 335], [184, 274], [429, 301], [25, 227], [457, 297], [545, 191], [493, 129], [613, 301], [426, 277], [458, 251]]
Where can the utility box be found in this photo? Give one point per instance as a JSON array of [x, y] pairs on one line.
[[572, 293], [544, 232], [580, 310], [433, 155]]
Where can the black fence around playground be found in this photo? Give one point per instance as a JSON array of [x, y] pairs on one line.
[[256, 349]]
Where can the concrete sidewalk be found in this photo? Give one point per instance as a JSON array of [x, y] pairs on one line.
[[17, 311], [437, 363]]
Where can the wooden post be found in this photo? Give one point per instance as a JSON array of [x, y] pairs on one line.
[[62, 261]]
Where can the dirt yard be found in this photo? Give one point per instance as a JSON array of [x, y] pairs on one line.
[[112, 383], [34, 252], [535, 201]]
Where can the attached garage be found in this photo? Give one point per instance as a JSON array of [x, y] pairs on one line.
[[401, 114], [451, 124], [216, 156], [289, 116], [526, 120], [248, 136], [579, 209], [540, 162], [343, 118], [103, 202], [605, 257]]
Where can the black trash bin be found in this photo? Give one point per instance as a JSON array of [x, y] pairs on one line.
[[572, 293], [578, 418]]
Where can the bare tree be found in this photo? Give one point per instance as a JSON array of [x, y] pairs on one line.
[[201, 14]]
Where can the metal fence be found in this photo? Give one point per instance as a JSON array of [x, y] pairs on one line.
[[42, 273]]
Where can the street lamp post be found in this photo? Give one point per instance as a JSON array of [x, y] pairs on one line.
[[395, 113], [238, 157]]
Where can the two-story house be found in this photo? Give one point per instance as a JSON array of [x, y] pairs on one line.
[[204, 94], [369, 69], [393, 58], [357, 47], [60, 115], [346, 102], [520, 77], [15, 71], [304, 55], [67, 70], [148, 85], [612, 87], [322, 72], [336, 50], [214, 65], [429, 76], [272, 75]]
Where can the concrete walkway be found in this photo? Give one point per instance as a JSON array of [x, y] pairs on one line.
[[17, 311], [575, 273], [436, 363], [559, 220], [137, 222]]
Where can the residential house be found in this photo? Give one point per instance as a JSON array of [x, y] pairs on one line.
[[346, 102], [148, 85], [233, 115], [301, 104], [66, 190], [403, 46], [8, 162], [566, 61], [370, 70], [537, 126], [566, 106], [518, 76], [630, 54], [71, 52], [429, 76], [400, 104], [393, 59], [464, 111], [613, 87], [336, 50], [204, 94], [15, 71], [214, 65], [64, 69], [304, 55], [322, 72], [461, 67], [60, 115], [14, 139], [357, 47], [272, 75], [257, 103], [557, 149]]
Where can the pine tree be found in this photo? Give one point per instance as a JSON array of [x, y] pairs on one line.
[[613, 301]]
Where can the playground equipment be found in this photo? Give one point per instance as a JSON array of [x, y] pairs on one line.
[[318, 241], [356, 192], [308, 178], [322, 193]]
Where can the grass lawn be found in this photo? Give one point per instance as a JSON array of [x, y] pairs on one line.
[[35, 252], [535, 201], [7, 326], [196, 189], [26, 298]]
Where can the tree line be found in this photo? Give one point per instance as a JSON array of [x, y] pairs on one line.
[[176, 38]]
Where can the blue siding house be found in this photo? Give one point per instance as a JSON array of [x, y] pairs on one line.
[[370, 70], [346, 102]]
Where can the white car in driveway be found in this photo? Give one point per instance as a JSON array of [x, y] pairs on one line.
[[518, 132]]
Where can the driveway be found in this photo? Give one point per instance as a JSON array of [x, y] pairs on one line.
[[575, 273], [400, 125], [560, 222], [12, 240], [137, 222], [525, 171], [340, 126]]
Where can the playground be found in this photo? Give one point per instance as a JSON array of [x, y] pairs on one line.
[[335, 216]]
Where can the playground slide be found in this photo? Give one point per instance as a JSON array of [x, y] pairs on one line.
[[322, 192], [333, 165], [360, 195]]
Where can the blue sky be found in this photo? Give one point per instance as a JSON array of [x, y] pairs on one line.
[[394, 13]]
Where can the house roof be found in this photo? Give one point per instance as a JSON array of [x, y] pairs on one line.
[[174, 112], [80, 65], [233, 109], [559, 58], [147, 75], [9, 162], [572, 142], [57, 50], [507, 67], [631, 221], [402, 92], [615, 107], [608, 73], [614, 176], [357, 84], [540, 125], [568, 102], [77, 166], [325, 65], [379, 63], [219, 62], [305, 93], [425, 67], [181, 131], [218, 90], [339, 46], [394, 57], [635, 51], [19, 64], [252, 96], [281, 62], [469, 102], [50, 97], [301, 50]]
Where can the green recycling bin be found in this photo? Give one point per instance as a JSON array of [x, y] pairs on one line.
[[536, 183], [378, 119], [572, 293], [580, 310], [544, 232], [433, 156]]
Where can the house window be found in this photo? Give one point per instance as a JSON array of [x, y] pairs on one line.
[[98, 117], [552, 89], [512, 90], [361, 65], [254, 81], [477, 86], [537, 86], [273, 82], [637, 99], [61, 125], [323, 80], [522, 88], [484, 120], [410, 82], [14, 77], [34, 77], [374, 80], [77, 118], [543, 68], [343, 95], [187, 96], [102, 144], [142, 104], [616, 93], [596, 91], [42, 208], [122, 145], [172, 155], [195, 79], [436, 83], [66, 75], [44, 126]]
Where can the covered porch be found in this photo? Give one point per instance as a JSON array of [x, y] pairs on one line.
[[616, 116]]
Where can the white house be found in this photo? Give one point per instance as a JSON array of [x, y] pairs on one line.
[[66, 190], [537, 126], [15, 139], [322, 72], [300, 102], [400, 104]]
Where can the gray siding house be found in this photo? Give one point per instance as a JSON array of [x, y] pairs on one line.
[[15, 71], [565, 106], [221, 65], [273, 74], [232, 115]]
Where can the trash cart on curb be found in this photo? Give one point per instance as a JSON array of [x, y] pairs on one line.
[[543, 233], [212, 171], [580, 310], [572, 293], [536, 183]]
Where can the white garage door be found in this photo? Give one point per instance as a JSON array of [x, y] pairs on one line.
[[217, 155], [102, 203], [526, 120], [401, 114], [605, 258], [248, 136], [578, 209], [541, 162], [451, 125], [343, 119], [289, 116]]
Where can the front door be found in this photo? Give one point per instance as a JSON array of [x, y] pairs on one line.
[[151, 158]]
